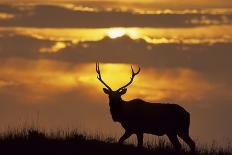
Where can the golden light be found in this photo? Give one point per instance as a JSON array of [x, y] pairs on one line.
[[5, 16], [115, 75], [150, 84], [51, 77], [196, 35], [55, 48], [116, 32]]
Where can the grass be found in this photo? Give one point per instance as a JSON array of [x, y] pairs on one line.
[[33, 141]]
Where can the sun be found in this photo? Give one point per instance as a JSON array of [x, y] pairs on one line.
[[116, 32]]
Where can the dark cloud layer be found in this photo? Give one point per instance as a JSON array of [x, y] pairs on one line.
[[21, 46], [49, 16], [213, 60]]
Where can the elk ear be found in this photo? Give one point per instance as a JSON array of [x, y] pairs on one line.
[[123, 91], [106, 91]]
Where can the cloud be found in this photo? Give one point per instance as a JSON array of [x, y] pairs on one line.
[[40, 80], [21, 46], [6, 16], [50, 16], [210, 59], [65, 36], [6, 83]]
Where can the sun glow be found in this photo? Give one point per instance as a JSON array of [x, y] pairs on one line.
[[116, 32], [206, 35]]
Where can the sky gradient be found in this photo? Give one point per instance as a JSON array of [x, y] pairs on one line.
[[48, 51]]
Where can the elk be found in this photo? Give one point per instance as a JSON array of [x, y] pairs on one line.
[[138, 117]]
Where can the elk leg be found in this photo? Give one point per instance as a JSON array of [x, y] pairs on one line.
[[189, 141], [140, 139], [126, 135], [175, 142]]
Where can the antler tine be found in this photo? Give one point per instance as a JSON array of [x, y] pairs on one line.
[[97, 68], [133, 74], [99, 75]]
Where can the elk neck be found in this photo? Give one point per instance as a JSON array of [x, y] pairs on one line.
[[116, 108]]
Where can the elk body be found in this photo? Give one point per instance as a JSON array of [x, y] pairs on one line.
[[138, 117]]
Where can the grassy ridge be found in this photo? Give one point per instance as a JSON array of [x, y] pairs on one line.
[[33, 141]]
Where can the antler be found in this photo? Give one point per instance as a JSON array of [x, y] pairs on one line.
[[132, 78], [99, 76]]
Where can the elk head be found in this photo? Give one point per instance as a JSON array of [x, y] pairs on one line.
[[115, 96]]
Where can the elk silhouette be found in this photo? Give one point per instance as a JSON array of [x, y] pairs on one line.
[[139, 117]]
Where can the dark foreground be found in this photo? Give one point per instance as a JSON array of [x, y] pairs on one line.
[[61, 143]]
